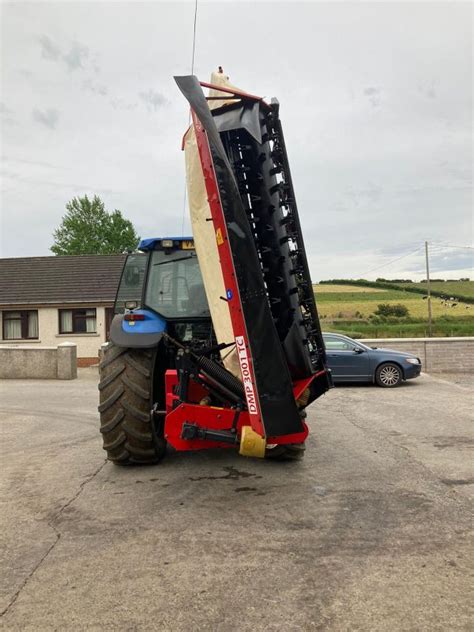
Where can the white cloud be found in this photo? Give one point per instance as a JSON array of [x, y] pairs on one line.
[[48, 49], [153, 99], [76, 56], [49, 118], [375, 101], [96, 88]]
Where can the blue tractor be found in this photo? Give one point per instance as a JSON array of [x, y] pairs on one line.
[[160, 298]]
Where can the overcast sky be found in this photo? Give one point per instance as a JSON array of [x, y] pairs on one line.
[[376, 103]]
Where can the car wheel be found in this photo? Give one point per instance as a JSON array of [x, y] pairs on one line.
[[388, 375]]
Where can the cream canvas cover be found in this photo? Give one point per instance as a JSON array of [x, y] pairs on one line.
[[204, 234]]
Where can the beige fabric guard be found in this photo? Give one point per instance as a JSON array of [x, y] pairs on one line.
[[205, 238]]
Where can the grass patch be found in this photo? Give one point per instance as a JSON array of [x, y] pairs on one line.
[[334, 288], [401, 330], [450, 288], [464, 294], [417, 307], [373, 296], [352, 311]]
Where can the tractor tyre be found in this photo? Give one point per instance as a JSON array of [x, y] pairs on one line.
[[126, 398], [286, 452]]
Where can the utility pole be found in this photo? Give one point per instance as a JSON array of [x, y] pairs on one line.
[[430, 317]]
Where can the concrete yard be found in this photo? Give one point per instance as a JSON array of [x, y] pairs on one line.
[[370, 532]]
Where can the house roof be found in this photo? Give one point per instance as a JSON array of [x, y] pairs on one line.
[[66, 279]]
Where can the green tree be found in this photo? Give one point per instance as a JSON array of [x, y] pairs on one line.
[[88, 229]]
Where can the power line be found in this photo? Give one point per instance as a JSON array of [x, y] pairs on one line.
[[189, 117], [442, 244], [409, 254], [430, 311]]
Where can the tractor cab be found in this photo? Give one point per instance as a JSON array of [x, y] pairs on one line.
[[161, 289]]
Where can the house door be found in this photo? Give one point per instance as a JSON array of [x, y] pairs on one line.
[[109, 314]]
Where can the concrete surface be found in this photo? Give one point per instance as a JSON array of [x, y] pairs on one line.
[[370, 532], [437, 355], [30, 362]]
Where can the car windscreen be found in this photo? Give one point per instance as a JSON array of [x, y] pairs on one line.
[[174, 285]]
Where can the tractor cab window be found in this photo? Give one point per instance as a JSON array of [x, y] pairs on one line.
[[174, 286], [131, 284]]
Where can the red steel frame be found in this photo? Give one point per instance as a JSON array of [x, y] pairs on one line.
[[209, 416], [214, 418], [230, 281]]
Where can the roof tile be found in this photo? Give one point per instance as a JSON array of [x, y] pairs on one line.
[[64, 279]]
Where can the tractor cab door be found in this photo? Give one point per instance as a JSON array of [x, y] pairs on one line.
[[130, 290]]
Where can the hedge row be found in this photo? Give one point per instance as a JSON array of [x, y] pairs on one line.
[[385, 285]]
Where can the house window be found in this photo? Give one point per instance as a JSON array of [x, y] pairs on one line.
[[20, 325], [77, 321]]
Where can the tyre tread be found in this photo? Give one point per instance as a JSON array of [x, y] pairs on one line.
[[113, 423], [125, 400], [286, 452]]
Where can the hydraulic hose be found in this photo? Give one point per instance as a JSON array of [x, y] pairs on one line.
[[216, 372]]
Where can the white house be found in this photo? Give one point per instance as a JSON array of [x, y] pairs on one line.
[[49, 300]]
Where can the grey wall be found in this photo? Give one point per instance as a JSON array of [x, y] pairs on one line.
[[53, 363], [438, 355]]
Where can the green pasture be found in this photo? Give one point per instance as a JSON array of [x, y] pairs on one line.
[[450, 288], [351, 310]]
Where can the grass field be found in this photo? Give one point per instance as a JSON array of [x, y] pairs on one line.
[[344, 289], [450, 288], [350, 309]]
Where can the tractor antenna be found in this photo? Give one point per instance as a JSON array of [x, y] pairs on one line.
[[194, 35], [189, 118]]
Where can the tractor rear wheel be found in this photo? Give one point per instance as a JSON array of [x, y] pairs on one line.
[[126, 398], [286, 452]]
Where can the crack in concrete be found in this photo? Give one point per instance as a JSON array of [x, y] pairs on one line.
[[57, 535]]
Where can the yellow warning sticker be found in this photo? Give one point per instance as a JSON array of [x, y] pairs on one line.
[[219, 238]]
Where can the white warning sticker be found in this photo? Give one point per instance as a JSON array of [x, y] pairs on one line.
[[246, 375]]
